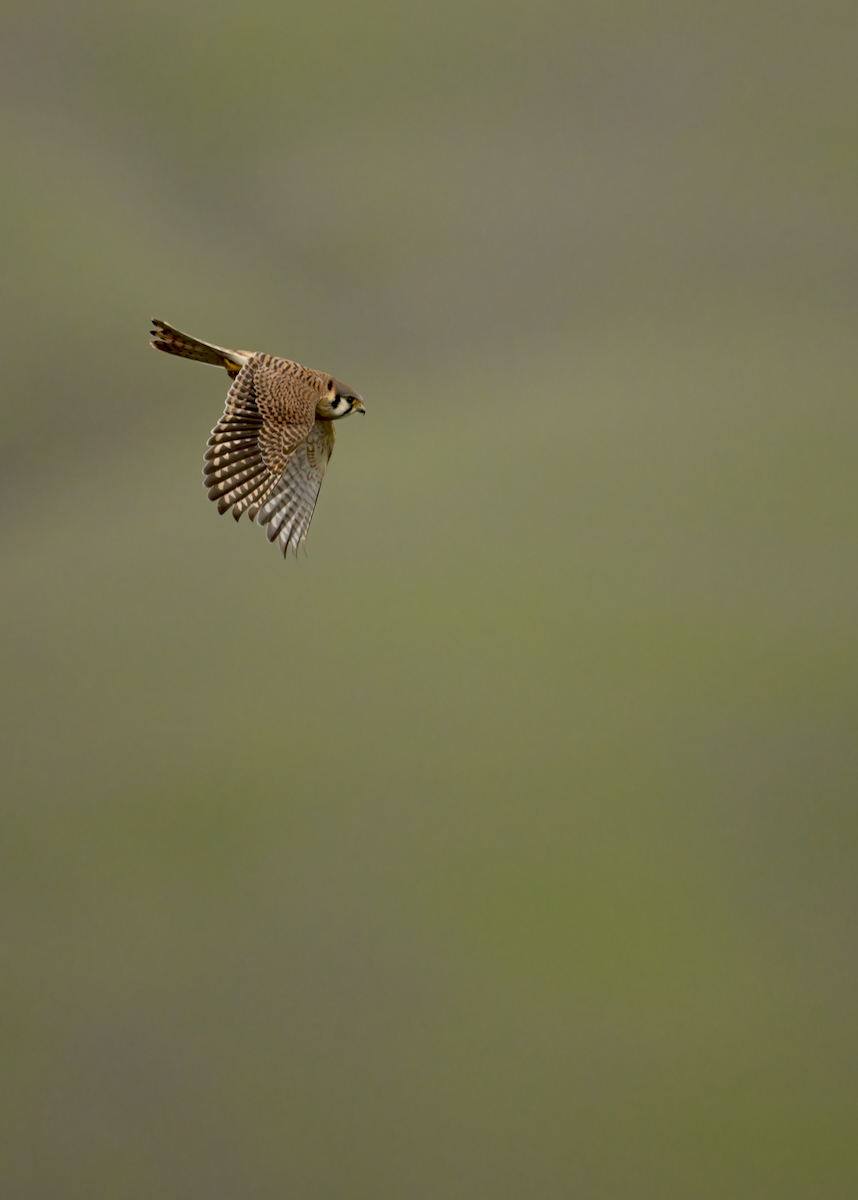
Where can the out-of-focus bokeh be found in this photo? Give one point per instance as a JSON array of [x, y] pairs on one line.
[[506, 846]]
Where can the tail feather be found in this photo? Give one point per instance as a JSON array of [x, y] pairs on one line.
[[173, 341]]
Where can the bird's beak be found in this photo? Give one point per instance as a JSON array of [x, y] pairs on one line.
[[358, 406]]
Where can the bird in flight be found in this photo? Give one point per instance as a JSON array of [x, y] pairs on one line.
[[268, 452]]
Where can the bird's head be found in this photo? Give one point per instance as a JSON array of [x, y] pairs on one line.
[[337, 400]]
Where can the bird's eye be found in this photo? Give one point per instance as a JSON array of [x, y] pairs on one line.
[[330, 385]]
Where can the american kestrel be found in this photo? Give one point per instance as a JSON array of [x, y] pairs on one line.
[[268, 452]]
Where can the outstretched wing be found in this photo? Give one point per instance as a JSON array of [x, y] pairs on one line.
[[288, 509], [270, 410]]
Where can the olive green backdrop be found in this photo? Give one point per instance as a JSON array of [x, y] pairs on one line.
[[506, 845]]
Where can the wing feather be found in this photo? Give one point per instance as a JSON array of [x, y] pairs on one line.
[[286, 514], [269, 412]]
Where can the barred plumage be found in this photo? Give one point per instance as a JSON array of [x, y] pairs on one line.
[[268, 453]]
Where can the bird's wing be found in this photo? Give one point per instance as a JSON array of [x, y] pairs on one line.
[[270, 409], [288, 511]]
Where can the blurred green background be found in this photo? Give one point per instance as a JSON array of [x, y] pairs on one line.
[[506, 846]]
